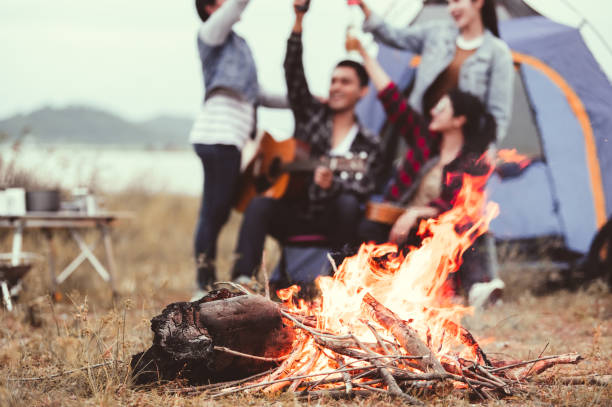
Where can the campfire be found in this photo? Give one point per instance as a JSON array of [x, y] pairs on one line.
[[384, 323]]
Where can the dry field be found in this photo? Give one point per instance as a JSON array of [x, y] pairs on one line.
[[42, 341]]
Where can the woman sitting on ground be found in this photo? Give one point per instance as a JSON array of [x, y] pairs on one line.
[[453, 142]]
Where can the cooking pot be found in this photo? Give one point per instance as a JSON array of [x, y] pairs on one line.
[[43, 200]]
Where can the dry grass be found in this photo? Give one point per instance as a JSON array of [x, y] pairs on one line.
[[153, 250]]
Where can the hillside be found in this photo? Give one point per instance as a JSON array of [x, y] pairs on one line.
[[87, 125]]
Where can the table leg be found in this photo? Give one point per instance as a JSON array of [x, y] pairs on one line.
[[90, 256], [17, 244], [110, 255], [51, 259], [6, 296]]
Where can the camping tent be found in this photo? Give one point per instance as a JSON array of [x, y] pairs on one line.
[[562, 117]]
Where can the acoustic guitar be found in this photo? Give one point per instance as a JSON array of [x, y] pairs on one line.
[[278, 168], [383, 212]]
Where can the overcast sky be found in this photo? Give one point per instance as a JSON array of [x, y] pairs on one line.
[[139, 57]]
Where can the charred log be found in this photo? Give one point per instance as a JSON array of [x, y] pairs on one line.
[[221, 337], [405, 335]]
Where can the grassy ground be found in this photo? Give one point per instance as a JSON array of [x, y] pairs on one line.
[[153, 251]]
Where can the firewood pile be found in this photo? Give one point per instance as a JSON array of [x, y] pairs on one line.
[[230, 343], [385, 323]]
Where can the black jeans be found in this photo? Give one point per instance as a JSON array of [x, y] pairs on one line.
[[282, 219], [221, 165], [479, 261]]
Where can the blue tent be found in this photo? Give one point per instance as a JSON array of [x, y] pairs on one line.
[[562, 118]]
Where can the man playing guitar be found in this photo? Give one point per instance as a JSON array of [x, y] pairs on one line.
[[332, 201]]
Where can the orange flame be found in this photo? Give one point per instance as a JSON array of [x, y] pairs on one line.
[[413, 286]]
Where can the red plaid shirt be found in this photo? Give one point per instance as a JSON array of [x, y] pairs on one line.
[[424, 145]]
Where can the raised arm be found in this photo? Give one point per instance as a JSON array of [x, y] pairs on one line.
[[376, 72], [300, 98], [215, 30], [397, 109], [409, 38]]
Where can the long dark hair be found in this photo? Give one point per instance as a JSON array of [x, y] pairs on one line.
[[480, 128], [200, 7], [489, 17]]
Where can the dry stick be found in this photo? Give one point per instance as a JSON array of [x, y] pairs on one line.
[[335, 380], [290, 361], [365, 358], [313, 331], [307, 368], [405, 335], [472, 387], [539, 356], [334, 393], [247, 356], [377, 390], [404, 375], [215, 386], [342, 349], [267, 383], [519, 364], [378, 338], [270, 374], [333, 263], [467, 339], [503, 384], [347, 377], [392, 385], [495, 383], [264, 271], [67, 372]]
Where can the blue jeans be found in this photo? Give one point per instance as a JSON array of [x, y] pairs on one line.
[[281, 219], [221, 165]]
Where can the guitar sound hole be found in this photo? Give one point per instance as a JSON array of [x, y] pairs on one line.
[[261, 184], [275, 169]]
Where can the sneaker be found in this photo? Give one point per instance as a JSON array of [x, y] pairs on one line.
[[482, 294]]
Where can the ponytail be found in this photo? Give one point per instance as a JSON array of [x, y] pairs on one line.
[[489, 17]]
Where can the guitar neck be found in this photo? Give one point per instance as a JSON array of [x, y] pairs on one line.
[[333, 163]]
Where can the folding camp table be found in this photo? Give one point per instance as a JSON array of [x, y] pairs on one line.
[[74, 223]]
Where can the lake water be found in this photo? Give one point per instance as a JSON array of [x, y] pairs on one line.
[[109, 169]]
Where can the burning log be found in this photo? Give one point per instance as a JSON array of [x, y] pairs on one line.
[[405, 335], [223, 336]]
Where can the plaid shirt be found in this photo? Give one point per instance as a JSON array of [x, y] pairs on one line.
[[314, 126], [424, 146]]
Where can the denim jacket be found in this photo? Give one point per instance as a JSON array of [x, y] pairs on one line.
[[230, 66], [488, 74]]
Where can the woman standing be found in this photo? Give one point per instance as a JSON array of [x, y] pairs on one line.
[[224, 124], [468, 55]]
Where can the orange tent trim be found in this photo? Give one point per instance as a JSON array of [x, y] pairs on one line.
[[579, 110]]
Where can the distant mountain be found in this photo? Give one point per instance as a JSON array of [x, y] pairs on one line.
[[87, 125]]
